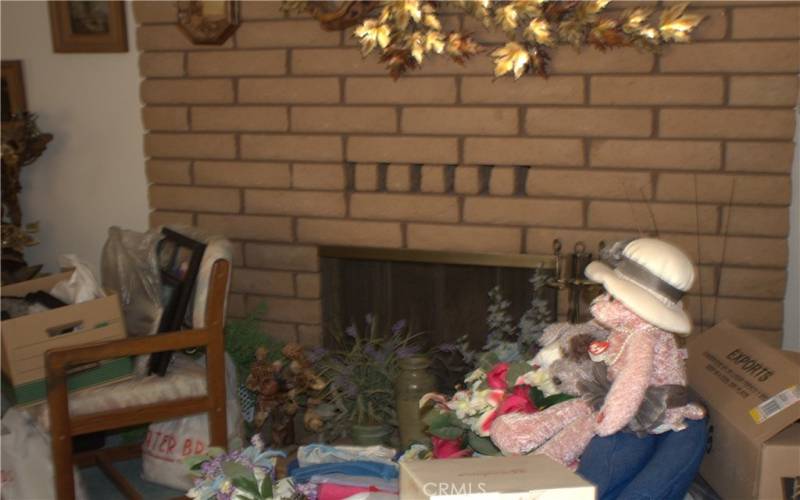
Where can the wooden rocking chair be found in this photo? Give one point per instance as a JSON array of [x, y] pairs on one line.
[[63, 426]]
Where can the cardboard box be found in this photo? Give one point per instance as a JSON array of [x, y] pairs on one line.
[[749, 387], [519, 478], [26, 339]]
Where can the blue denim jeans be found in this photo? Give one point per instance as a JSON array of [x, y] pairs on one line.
[[653, 467]]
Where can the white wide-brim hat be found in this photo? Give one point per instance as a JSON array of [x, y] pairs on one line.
[[649, 276]]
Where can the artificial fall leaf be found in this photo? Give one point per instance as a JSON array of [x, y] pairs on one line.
[[403, 11], [372, 33], [512, 57], [506, 17], [540, 61], [460, 47], [635, 18], [430, 19], [538, 30], [417, 46], [398, 61], [596, 6], [605, 35], [434, 42], [675, 26]]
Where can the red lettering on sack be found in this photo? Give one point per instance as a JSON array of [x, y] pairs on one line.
[[187, 447]]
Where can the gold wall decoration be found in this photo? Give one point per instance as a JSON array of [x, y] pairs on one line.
[[406, 32], [208, 22]]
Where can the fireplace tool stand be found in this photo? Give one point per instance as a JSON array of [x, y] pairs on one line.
[[572, 266]]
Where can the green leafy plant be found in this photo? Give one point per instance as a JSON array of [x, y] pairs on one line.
[[361, 372], [243, 337]]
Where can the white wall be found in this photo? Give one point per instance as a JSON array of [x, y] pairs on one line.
[[92, 175], [791, 302]]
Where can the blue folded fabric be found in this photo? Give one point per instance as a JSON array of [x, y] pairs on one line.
[[355, 468]]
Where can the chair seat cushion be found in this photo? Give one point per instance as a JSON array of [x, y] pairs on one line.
[[185, 379]]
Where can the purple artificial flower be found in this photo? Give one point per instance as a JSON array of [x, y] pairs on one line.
[[407, 351], [316, 354], [351, 331], [398, 327]]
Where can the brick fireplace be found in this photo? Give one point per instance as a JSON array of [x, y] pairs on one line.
[[284, 139]]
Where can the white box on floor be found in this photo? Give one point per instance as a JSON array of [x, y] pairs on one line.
[[519, 478]]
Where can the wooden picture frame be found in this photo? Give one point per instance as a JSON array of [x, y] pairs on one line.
[[208, 22], [88, 26], [13, 91]]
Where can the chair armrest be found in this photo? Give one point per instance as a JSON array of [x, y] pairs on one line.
[[59, 360]]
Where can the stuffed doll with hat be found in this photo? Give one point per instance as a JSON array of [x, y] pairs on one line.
[[638, 379]]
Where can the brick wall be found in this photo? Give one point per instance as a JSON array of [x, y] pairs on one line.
[[283, 139]]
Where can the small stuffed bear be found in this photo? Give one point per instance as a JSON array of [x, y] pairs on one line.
[[638, 379], [565, 354]]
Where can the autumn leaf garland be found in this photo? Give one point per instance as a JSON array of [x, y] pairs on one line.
[[406, 32]]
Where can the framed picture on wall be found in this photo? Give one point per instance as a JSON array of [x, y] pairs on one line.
[[13, 91], [88, 26]]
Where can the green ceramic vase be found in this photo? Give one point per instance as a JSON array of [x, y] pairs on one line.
[[413, 381]]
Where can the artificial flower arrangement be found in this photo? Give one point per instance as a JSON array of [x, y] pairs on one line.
[[361, 373], [459, 425], [247, 474]]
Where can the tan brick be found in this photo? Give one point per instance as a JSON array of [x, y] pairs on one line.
[[398, 178], [539, 240], [668, 90], [382, 90], [246, 118], [161, 217], [501, 181], [291, 147], [446, 66], [165, 118], [285, 332], [748, 189], [236, 307], [748, 313], [467, 179], [432, 179], [755, 221], [714, 25], [169, 37], [308, 285], [524, 212], [627, 60], [404, 207], [237, 253], [343, 119], [322, 176], [366, 177], [161, 64], [752, 283], [508, 151], [290, 33], [653, 216], [168, 172], [763, 90], [154, 12], [765, 252], [766, 22], [193, 91], [238, 63], [309, 335], [262, 282], [288, 257], [344, 61], [289, 90], [263, 10], [481, 33], [242, 174], [464, 238], [589, 184], [349, 232], [293, 310], [190, 145], [454, 121], [194, 198], [604, 122], [402, 149], [732, 57], [318, 203], [759, 156], [678, 155], [553, 90], [248, 227], [727, 123]]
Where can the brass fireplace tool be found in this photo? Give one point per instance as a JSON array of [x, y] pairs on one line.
[[581, 291]]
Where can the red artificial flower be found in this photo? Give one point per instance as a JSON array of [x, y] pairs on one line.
[[519, 401], [497, 376], [448, 448]]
